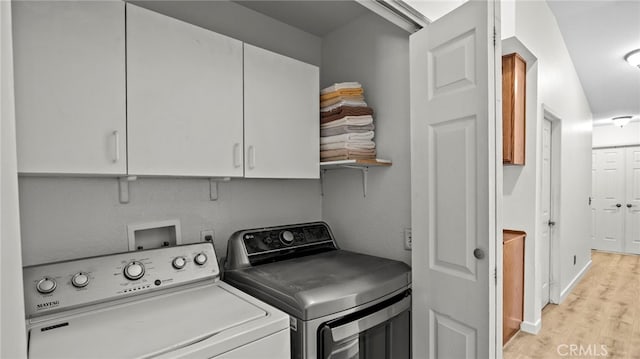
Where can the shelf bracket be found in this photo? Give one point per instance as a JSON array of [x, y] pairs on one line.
[[322, 172], [123, 188], [365, 176], [213, 186]]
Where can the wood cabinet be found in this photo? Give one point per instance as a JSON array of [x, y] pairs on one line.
[[514, 74], [69, 59], [512, 282], [184, 92], [281, 116]]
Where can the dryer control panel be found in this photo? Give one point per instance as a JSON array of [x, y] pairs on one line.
[[260, 245], [64, 285]]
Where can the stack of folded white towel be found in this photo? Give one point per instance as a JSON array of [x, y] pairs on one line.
[[346, 123]]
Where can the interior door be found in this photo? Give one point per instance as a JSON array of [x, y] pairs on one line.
[[453, 184], [608, 199], [632, 205], [545, 206], [594, 185]]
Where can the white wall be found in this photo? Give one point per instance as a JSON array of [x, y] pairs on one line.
[[375, 53], [560, 91], [609, 135], [74, 217], [12, 327]]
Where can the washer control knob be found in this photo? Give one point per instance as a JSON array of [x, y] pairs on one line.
[[46, 285], [80, 280], [134, 270], [179, 262], [286, 237], [200, 259]]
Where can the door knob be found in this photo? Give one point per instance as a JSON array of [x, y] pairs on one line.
[[618, 205], [551, 223], [478, 253], [629, 205]]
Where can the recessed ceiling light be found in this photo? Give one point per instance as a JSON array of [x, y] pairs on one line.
[[633, 57], [621, 120]]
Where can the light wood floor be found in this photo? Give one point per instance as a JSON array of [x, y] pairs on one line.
[[603, 309]]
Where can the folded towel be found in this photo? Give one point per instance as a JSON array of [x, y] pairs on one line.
[[333, 101], [332, 131], [365, 136], [349, 145], [345, 154], [348, 121], [343, 111], [340, 86], [343, 92], [352, 103]]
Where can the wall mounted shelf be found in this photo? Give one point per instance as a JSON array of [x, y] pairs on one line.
[[362, 165]]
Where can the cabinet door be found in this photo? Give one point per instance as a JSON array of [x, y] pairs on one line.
[[184, 93], [514, 74], [281, 116], [70, 86]]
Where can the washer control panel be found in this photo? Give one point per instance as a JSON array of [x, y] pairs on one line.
[[64, 285]]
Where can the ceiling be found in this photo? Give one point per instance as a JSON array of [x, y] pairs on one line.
[[318, 17], [598, 34]]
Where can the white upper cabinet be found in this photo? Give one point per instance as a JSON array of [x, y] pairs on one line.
[[184, 93], [281, 116], [69, 59]]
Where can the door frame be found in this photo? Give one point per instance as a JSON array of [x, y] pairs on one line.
[[554, 238]]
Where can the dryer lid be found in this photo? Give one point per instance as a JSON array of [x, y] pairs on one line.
[[148, 327], [321, 284]]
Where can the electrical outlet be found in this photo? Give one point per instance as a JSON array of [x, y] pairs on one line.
[[407, 239], [206, 235]]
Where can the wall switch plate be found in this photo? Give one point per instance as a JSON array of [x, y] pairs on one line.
[[206, 235], [407, 239]]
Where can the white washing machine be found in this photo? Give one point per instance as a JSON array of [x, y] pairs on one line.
[[158, 303]]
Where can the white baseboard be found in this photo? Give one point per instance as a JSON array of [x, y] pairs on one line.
[[565, 292], [531, 328]]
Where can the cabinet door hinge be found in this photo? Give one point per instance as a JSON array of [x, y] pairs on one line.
[[495, 274]]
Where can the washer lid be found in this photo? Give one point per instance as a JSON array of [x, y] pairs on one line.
[[148, 327], [321, 284]]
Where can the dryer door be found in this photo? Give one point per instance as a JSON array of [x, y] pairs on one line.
[[382, 331]]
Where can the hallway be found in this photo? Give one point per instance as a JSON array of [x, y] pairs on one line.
[[599, 318]]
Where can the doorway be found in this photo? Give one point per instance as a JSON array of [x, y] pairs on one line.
[[549, 218]]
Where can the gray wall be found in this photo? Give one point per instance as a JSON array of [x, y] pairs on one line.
[[375, 53], [74, 217], [65, 218], [244, 24], [13, 341]]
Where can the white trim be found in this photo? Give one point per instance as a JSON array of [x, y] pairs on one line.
[[398, 13], [531, 328], [575, 281]]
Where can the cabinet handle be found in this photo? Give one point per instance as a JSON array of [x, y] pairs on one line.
[[116, 137], [252, 157], [236, 155]]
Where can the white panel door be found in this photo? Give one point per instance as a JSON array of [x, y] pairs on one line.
[[453, 184], [608, 199], [632, 203], [281, 116], [545, 208], [69, 59], [184, 98], [594, 186]]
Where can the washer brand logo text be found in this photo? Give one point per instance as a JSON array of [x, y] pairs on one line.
[[46, 305]]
